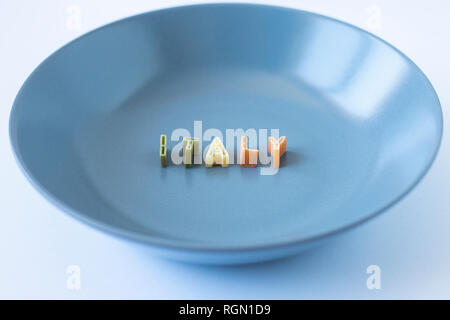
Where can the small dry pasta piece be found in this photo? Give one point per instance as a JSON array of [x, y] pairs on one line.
[[191, 148], [163, 150], [277, 148], [248, 157], [217, 154]]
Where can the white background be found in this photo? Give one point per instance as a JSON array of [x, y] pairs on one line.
[[410, 242]]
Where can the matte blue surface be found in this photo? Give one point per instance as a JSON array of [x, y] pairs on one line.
[[363, 126]]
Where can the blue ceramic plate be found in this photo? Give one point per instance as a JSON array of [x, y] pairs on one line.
[[363, 125]]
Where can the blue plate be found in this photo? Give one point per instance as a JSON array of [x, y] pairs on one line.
[[363, 125]]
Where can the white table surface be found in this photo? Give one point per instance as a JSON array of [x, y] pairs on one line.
[[410, 243]]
